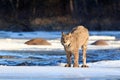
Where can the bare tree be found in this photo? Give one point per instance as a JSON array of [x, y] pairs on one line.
[[71, 6], [15, 8], [33, 8]]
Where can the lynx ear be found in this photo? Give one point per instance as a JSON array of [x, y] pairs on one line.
[[69, 34], [63, 33]]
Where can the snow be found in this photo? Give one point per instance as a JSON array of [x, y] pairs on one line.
[[12, 43], [102, 37], [102, 69]]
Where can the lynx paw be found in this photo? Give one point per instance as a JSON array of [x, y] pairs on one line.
[[76, 65], [84, 66], [68, 65]]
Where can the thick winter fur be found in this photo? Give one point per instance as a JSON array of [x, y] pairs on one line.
[[72, 41]]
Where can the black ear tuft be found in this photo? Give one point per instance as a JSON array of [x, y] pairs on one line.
[[63, 33]]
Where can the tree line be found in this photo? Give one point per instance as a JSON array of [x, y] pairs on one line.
[[28, 15]]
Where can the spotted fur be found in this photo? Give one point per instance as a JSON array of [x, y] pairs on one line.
[[72, 41]]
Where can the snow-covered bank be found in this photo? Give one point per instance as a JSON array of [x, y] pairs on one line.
[[105, 69]]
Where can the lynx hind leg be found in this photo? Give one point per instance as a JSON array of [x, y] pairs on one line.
[[68, 55], [84, 49]]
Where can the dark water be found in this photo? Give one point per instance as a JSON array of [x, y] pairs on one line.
[[52, 58]]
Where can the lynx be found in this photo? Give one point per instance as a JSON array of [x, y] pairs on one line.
[[72, 41]]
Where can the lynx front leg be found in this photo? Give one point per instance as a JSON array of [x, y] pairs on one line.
[[68, 55], [76, 59], [84, 48]]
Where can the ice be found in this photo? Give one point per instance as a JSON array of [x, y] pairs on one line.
[[104, 69]]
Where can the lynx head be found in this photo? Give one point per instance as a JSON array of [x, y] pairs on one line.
[[66, 39]]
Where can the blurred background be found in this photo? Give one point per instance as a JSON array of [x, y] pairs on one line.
[[57, 15]]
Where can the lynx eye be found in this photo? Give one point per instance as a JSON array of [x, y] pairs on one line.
[[63, 38]]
